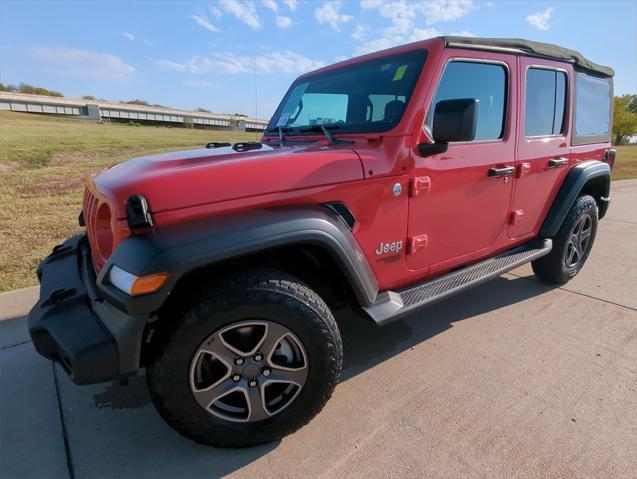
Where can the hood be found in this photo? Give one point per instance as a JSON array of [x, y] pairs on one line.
[[176, 180]]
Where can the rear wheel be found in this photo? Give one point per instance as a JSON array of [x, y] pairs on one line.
[[571, 245], [253, 361]]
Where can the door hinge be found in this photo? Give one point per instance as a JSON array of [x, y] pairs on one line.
[[524, 169], [516, 217], [419, 184], [414, 243]]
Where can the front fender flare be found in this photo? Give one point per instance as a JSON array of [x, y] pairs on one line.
[[180, 249]]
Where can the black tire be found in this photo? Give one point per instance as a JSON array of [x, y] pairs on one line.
[[559, 266], [268, 295]]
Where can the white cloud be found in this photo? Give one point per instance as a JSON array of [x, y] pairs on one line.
[[129, 36], [360, 32], [245, 11], [199, 83], [405, 16], [202, 21], [147, 42], [83, 63], [418, 34], [388, 41], [444, 10], [283, 22], [541, 20], [291, 4], [330, 13], [272, 62], [270, 4], [489, 4]]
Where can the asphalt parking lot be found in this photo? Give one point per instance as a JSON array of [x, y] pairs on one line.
[[513, 379]]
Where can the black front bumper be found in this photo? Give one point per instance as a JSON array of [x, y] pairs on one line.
[[72, 325]]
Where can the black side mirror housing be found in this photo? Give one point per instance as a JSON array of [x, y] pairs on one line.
[[428, 149], [454, 120]]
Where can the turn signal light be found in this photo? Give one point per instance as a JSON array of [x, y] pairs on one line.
[[136, 285], [148, 284]]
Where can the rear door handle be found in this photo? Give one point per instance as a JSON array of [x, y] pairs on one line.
[[496, 172], [557, 162]]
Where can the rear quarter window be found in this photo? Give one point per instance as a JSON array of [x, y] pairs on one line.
[[592, 109]]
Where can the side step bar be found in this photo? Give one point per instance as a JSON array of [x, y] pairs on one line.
[[391, 305]]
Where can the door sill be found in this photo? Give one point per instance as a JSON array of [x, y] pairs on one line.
[[392, 305]]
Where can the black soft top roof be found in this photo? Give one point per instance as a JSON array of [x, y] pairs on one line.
[[528, 47]]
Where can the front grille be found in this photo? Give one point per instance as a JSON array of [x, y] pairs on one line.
[[90, 206]]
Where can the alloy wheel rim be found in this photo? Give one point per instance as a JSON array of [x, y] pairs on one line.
[[248, 371], [579, 241]]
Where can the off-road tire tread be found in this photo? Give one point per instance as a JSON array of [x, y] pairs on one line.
[[550, 268], [275, 283]]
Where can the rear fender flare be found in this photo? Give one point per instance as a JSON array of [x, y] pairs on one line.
[[575, 182]]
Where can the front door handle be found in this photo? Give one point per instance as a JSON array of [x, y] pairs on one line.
[[556, 162], [496, 172]]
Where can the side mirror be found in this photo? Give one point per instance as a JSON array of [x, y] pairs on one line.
[[454, 120]]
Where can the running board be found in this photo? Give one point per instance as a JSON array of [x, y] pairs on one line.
[[391, 305]]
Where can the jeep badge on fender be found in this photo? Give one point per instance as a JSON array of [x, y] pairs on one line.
[[224, 292], [385, 248]]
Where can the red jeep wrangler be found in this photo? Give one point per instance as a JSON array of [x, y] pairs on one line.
[[384, 182]]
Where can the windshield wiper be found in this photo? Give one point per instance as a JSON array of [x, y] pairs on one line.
[[325, 129], [282, 133], [281, 130]]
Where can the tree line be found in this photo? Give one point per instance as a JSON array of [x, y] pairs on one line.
[[624, 118], [26, 88]]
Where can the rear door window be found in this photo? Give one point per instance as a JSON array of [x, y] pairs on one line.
[[545, 102], [485, 82]]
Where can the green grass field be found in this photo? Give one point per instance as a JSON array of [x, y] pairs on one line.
[[43, 161], [626, 164]]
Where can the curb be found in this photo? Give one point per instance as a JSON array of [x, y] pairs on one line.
[[15, 304]]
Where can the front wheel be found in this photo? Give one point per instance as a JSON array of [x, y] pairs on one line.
[[254, 360], [571, 245]]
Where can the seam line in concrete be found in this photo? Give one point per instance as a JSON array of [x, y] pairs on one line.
[[578, 293], [14, 345], [65, 435], [619, 221]]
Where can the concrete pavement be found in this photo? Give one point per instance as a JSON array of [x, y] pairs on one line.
[[513, 379]]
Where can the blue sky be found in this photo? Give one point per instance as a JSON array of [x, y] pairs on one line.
[[204, 54]]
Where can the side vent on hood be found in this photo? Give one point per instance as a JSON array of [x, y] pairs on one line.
[[343, 213]]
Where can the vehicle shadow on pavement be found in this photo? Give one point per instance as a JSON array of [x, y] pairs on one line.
[[113, 430], [367, 345]]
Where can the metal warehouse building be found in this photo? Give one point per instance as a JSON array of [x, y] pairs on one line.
[[103, 110]]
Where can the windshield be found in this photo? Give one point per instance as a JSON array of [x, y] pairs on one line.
[[369, 96]]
